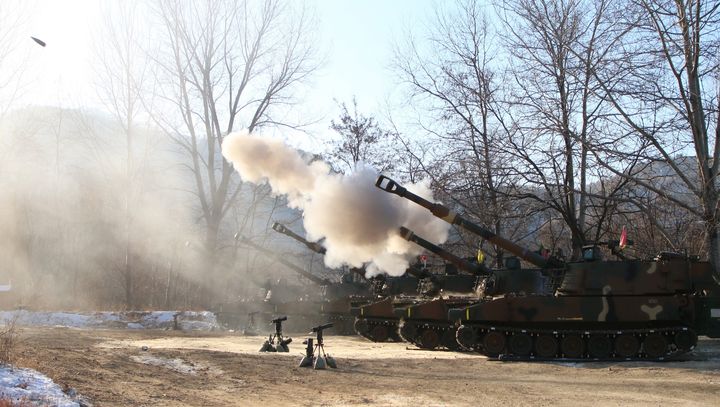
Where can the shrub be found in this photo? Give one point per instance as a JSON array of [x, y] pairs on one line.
[[8, 340]]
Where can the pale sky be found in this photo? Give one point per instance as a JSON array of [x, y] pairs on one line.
[[60, 74], [356, 36]]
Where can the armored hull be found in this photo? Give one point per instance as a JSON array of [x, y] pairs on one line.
[[606, 310], [377, 321], [588, 309], [426, 324], [417, 310]]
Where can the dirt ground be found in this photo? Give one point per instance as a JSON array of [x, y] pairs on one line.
[[111, 368]]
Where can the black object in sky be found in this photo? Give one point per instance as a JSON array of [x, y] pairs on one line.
[[39, 41]]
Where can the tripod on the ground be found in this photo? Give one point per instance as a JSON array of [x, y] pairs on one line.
[[322, 359], [276, 342]]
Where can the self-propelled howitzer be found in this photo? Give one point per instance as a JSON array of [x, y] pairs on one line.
[[425, 323], [376, 320], [512, 279], [275, 299], [370, 304], [592, 309], [453, 218], [421, 317], [331, 300]]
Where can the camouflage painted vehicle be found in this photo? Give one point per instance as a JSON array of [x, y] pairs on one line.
[[425, 323], [589, 309], [419, 314], [376, 320], [338, 298], [373, 313], [327, 301]]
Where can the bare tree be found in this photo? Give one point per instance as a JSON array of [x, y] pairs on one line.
[[122, 71], [361, 139], [453, 76], [667, 101], [225, 66], [556, 49], [13, 17]]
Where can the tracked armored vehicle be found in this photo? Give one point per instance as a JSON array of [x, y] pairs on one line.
[[376, 320], [352, 282], [420, 316], [585, 310], [425, 323], [374, 300], [328, 301]]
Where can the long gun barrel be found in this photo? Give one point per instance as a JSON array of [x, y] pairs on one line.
[[314, 246], [462, 264], [315, 279], [444, 213]]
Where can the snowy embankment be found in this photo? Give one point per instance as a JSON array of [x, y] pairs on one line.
[[183, 320], [27, 387]]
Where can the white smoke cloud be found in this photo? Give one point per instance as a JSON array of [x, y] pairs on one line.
[[358, 221]]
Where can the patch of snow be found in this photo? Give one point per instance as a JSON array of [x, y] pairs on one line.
[[176, 364], [569, 364], [26, 386], [197, 325], [186, 320]]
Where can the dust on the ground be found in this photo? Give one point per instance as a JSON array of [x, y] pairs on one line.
[[170, 368]]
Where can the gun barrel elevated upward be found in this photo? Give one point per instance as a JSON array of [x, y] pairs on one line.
[[462, 264], [314, 246], [444, 213], [315, 279]]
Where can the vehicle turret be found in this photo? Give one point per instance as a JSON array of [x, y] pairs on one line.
[[444, 213], [586, 309], [460, 263]]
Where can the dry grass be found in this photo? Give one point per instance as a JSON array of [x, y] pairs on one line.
[[15, 403], [8, 341]]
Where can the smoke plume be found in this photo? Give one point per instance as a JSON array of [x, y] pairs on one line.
[[358, 221]]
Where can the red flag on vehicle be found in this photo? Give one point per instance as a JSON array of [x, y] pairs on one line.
[[623, 239]]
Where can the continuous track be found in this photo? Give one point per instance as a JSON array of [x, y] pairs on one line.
[[517, 343], [378, 329]]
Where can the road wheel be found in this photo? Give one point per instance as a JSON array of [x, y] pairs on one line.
[[448, 339], [655, 346], [685, 340], [494, 343], [627, 345], [546, 346], [408, 331], [520, 344], [379, 333], [361, 327], [466, 337], [572, 346], [429, 339]]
